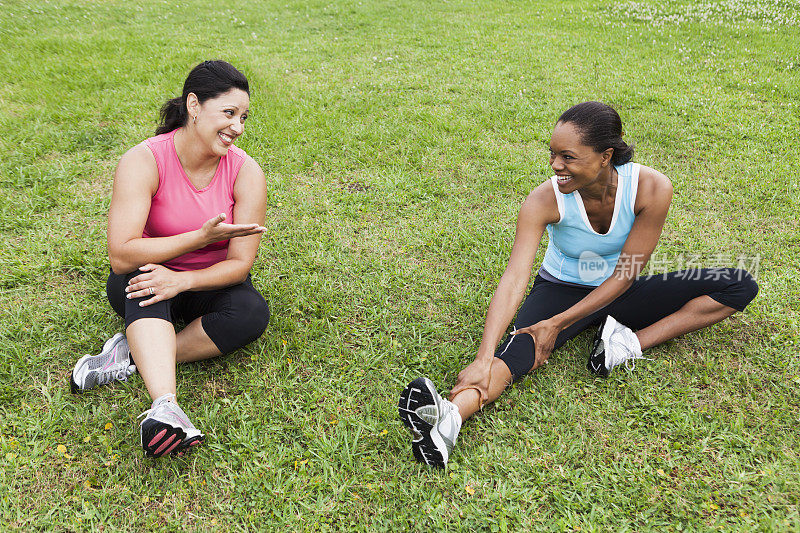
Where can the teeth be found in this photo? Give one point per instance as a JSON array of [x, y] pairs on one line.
[[564, 178], [226, 138]]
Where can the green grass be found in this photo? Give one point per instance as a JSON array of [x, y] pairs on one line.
[[393, 190]]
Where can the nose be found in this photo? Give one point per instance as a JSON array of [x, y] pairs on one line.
[[237, 127], [556, 163]]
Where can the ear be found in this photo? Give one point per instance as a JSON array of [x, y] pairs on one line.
[[192, 105], [606, 155]]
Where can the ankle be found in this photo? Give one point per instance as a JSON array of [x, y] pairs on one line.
[[168, 397]]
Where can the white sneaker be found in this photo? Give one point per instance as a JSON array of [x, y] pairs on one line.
[[434, 422], [167, 429], [613, 345], [113, 363]]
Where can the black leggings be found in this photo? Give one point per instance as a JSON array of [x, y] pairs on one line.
[[647, 301], [231, 317]]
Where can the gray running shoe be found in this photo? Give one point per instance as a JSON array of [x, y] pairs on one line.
[[113, 363], [167, 429], [613, 345], [434, 422]]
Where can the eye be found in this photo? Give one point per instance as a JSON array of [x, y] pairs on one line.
[[244, 117], [568, 157], [228, 112]]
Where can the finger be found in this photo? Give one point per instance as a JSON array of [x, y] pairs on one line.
[[537, 353], [253, 231], [148, 267], [150, 301], [483, 395], [239, 227], [138, 281], [141, 293]]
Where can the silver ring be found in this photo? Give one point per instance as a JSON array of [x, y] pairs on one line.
[[151, 291]]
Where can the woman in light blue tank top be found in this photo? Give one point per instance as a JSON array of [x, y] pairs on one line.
[[604, 215]]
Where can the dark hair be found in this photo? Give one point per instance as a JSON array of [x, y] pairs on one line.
[[207, 80], [601, 128]]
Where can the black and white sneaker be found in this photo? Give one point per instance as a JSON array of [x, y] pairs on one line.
[[113, 363], [613, 345], [433, 421]]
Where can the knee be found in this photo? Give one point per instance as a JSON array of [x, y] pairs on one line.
[[253, 317], [742, 290], [746, 285]]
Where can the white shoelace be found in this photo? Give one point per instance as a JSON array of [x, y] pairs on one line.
[[116, 374], [623, 355], [157, 403]]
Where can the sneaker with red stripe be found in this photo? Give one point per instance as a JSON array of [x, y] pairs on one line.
[[167, 429]]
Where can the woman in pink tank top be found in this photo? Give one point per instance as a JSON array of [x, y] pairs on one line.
[[184, 227]]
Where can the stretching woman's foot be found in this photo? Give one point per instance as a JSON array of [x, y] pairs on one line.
[[113, 363], [613, 345], [167, 429], [434, 422]]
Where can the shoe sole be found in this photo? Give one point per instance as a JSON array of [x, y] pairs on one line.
[[188, 445], [73, 386], [428, 447], [597, 354], [159, 439]]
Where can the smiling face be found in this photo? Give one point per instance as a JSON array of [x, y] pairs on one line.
[[577, 165], [219, 120]]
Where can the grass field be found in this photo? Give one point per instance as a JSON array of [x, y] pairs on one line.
[[399, 140]]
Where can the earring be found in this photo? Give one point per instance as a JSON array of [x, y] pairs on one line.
[[194, 119]]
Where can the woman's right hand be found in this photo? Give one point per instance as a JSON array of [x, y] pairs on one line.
[[215, 230], [475, 376]]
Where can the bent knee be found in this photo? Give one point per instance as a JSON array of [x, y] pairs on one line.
[[746, 286], [253, 317]]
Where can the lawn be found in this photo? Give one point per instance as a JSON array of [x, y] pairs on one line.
[[399, 140]]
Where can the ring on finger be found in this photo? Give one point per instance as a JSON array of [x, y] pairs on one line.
[[151, 291]]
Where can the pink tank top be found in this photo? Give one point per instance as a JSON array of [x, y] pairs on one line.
[[177, 207]]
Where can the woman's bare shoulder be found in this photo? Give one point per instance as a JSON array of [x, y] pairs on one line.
[[541, 204], [654, 186], [136, 167]]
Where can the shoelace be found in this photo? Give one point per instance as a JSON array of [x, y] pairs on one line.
[[162, 398], [624, 356], [116, 374]]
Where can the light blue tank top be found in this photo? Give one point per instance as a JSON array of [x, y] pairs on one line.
[[576, 253]]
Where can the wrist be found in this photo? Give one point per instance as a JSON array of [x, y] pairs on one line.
[[201, 238], [484, 356], [187, 278], [559, 321]]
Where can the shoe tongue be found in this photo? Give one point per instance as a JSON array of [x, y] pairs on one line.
[[163, 398]]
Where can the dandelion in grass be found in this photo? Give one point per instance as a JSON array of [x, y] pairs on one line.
[[61, 449]]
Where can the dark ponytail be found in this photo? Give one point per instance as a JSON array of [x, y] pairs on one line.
[[601, 128], [207, 80]]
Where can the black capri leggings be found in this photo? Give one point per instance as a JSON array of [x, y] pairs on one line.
[[647, 301], [231, 317]]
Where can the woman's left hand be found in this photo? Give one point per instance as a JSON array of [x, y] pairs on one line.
[[544, 335], [158, 282]]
